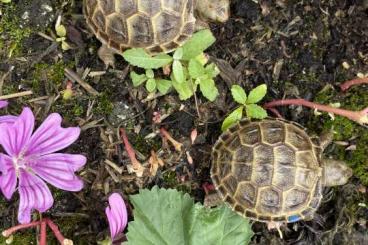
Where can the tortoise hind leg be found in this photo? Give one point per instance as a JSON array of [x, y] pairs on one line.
[[326, 139], [107, 56]]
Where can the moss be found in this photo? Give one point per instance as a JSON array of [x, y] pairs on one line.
[[12, 35], [53, 73], [21, 237], [104, 105], [356, 99]]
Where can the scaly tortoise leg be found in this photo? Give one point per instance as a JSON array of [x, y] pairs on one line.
[[107, 56]]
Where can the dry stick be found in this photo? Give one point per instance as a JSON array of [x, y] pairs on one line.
[[176, 144], [13, 229], [16, 95], [75, 77], [360, 117], [346, 85]]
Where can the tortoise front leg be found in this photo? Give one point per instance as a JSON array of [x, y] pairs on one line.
[[107, 56], [326, 139]]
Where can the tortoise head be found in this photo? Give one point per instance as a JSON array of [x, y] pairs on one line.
[[214, 10], [335, 172]]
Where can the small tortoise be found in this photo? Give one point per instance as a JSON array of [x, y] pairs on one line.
[[155, 25], [272, 171]]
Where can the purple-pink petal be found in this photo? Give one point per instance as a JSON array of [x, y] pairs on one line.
[[51, 137], [7, 119], [8, 178], [58, 170], [3, 103], [14, 137], [117, 215], [33, 194]]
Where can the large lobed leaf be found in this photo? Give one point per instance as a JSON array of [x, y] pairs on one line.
[[166, 216], [139, 57]]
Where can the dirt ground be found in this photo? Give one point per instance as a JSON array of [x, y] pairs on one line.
[[300, 49]]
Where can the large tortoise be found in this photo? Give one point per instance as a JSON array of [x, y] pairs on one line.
[[272, 171], [155, 25]]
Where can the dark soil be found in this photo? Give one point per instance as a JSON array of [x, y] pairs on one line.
[[296, 47]]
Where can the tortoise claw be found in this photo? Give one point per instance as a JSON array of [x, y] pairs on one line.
[[107, 56]]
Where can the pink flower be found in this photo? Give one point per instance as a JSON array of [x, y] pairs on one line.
[[117, 215], [3, 103], [30, 160], [7, 118]]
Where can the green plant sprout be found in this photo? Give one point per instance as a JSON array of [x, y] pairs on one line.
[[61, 33], [188, 64], [247, 103], [5, 1]]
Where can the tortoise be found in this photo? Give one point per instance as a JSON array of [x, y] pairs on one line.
[[155, 25], [272, 171]]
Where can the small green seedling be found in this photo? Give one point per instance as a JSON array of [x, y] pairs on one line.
[[5, 1], [188, 64], [247, 103], [61, 33], [152, 84]]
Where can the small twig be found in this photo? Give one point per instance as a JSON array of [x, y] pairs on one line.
[[360, 117], [16, 95], [75, 77], [346, 85]]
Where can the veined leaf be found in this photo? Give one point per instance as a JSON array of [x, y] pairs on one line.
[[178, 71], [163, 85], [238, 94], [151, 85], [199, 42], [166, 216], [138, 57], [208, 89], [137, 79], [232, 118], [195, 68], [255, 111], [257, 94]]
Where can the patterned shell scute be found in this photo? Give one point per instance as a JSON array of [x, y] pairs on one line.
[[155, 25], [268, 170]]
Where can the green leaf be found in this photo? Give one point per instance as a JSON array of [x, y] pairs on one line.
[[195, 68], [199, 42], [257, 94], [163, 85], [185, 89], [208, 89], [151, 85], [173, 218], [255, 111], [212, 70], [178, 71], [149, 73], [232, 118], [137, 79], [60, 30], [178, 53], [238, 94], [138, 57]]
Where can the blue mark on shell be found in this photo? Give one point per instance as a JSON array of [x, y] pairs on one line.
[[293, 218]]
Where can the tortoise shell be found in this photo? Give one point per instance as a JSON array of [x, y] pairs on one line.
[[155, 25], [268, 170]]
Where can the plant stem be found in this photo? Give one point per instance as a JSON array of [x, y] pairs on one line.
[[137, 166], [43, 233], [176, 144], [13, 229], [346, 85], [360, 117], [57, 233]]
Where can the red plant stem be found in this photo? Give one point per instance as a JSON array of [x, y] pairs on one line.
[[276, 112], [57, 233], [352, 115], [346, 85], [43, 232], [166, 134], [13, 229], [136, 164]]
